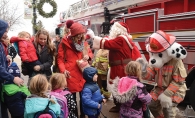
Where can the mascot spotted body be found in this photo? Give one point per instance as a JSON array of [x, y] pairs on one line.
[[167, 70]]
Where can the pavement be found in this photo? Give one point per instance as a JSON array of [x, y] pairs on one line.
[[109, 104]]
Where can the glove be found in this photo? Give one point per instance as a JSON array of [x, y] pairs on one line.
[[143, 64], [90, 33], [165, 101]]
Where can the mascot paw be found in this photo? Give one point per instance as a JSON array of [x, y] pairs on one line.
[[165, 101], [143, 64], [90, 33]]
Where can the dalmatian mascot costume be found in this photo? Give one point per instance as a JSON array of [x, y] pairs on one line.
[[167, 70]]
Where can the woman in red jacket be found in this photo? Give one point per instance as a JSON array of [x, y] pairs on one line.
[[70, 50]]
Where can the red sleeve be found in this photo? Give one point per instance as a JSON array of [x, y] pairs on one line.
[[22, 49], [114, 44], [14, 39], [60, 58]]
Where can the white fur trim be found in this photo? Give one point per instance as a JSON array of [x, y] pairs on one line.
[[109, 86], [118, 25], [175, 50], [126, 39], [96, 42], [165, 101]]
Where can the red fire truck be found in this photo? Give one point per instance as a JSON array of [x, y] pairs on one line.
[[144, 17]]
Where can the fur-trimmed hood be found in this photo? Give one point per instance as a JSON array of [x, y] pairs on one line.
[[124, 89]]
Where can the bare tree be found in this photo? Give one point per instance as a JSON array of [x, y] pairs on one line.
[[11, 13]]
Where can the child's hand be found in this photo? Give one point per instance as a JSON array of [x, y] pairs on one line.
[[104, 101], [37, 68], [86, 57]]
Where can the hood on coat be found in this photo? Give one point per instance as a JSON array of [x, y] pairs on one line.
[[3, 27], [124, 89], [33, 105], [88, 74]]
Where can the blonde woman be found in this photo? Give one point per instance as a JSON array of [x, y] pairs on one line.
[[131, 93], [39, 97], [45, 52]]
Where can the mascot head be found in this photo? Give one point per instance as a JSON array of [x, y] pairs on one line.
[[162, 48], [119, 28]]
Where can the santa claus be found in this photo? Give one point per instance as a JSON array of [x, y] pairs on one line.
[[121, 51]]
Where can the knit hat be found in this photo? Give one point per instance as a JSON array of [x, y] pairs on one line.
[[160, 41], [122, 25], [88, 74], [3, 27], [14, 70], [75, 28]]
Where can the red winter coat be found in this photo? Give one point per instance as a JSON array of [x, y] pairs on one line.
[[119, 50], [27, 50], [75, 82]]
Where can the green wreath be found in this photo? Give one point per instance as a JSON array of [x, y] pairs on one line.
[[40, 8]]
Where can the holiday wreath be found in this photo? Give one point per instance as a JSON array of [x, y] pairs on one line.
[[43, 13]]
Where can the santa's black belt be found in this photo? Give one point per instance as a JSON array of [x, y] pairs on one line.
[[119, 62]]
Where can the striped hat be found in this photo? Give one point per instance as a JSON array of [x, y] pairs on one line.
[[160, 41]]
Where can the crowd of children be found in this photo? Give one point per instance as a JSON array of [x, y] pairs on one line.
[[49, 96]]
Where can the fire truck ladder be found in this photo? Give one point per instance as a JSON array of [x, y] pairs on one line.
[[83, 6]]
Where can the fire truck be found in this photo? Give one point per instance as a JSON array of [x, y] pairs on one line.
[[144, 17]]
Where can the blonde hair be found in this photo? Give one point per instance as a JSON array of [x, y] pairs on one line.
[[58, 81], [133, 68], [22, 34], [49, 43]]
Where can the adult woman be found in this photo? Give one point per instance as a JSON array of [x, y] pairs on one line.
[[70, 50], [45, 52]]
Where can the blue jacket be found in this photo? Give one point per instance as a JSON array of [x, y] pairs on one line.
[[14, 98], [4, 75], [35, 104]]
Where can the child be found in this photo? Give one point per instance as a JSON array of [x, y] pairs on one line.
[[26, 49], [39, 97], [59, 84], [13, 95], [131, 93], [91, 96], [102, 65]]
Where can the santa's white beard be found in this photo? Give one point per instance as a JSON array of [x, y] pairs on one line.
[[112, 35]]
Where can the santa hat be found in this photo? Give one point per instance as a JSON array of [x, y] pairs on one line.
[[14, 70], [75, 28], [122, 25], [160, 41]]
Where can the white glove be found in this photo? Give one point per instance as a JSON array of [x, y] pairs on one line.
[[143, 64], [90, 33], [165, 101]]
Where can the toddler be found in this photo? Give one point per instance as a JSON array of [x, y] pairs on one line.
[[13, 95], [39, 98], [131, 93], [91, 95], [59, 84], [27, 51]]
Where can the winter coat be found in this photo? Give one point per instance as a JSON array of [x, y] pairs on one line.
[[14, 98], [35, 104], [67, 57], [46, 60], [91, 95], [132, 95], [27, 50], [119, 51]]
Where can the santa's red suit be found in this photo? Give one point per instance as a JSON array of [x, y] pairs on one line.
[[120, 48]]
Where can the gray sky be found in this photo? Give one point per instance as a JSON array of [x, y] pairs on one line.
[[49, 23]]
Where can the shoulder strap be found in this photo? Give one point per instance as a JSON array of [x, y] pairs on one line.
[[64, 48]]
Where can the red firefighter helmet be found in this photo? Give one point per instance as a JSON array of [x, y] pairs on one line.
[[160, 41]]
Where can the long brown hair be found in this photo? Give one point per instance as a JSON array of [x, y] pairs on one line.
[[133, 68], [51, 47], [57, 81]]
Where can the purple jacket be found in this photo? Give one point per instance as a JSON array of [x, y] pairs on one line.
[[132, 95]]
